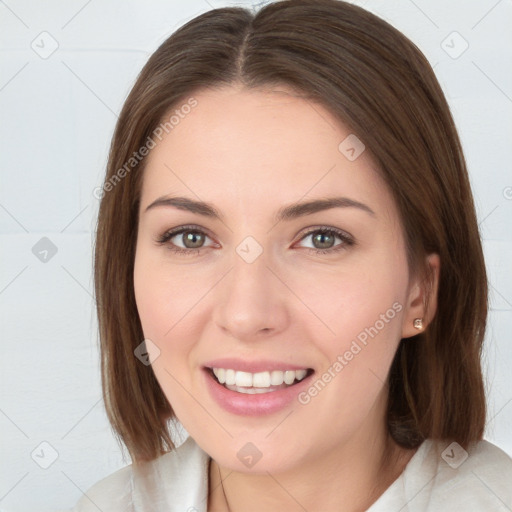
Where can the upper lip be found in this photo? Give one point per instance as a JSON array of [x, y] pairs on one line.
[[253, 366]]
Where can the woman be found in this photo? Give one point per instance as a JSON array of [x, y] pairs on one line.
[[288, 262]]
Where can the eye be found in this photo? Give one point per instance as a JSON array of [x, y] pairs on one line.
[[324, 240], [191, 237]]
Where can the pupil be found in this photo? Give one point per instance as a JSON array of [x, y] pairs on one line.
[[321, 237], [193, 237]]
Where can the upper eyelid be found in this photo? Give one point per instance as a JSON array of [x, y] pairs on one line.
[[313, 229], [182, 229]]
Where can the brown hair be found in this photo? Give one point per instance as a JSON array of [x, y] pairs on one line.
[[375, 81]]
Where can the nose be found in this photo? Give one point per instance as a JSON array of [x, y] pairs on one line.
[[251, 301]]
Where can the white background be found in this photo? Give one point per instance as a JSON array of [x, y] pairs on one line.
[[57, 118]]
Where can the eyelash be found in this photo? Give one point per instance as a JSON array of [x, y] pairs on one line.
[[345, 238]]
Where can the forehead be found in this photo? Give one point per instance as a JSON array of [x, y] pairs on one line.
[[260, 147]]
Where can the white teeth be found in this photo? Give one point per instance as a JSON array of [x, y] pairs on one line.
[[243, 379], [300, 374], [250, 391], [289, 377], [276, 378], [261, 380], [220, 373], [230, 377], [239, 379]]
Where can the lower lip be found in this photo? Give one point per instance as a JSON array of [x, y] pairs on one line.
[[257, 404]]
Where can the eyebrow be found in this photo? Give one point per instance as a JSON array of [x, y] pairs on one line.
[[285, 213]]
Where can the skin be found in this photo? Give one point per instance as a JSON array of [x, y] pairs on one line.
[[248, 153]]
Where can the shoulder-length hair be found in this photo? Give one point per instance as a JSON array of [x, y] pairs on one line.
[[375, 81]]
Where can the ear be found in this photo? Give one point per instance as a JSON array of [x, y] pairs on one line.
[[422, 298]]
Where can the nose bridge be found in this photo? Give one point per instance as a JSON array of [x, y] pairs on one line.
[[250, 298]]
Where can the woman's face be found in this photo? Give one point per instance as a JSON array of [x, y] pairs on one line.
[[259, 292]]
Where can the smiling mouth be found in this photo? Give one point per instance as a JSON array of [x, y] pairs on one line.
[[256, 383]]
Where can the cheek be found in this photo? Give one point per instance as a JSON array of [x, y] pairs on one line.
[[363, 308], [352, 302], [150, 297], [164, 296], [160, 309], [367, 313], [367, 324], [168, 303]]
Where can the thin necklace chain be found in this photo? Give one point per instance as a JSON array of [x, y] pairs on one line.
[[223, 491]]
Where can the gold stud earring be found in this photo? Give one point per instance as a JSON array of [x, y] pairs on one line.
[[418, 323]]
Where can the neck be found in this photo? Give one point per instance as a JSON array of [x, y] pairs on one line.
[[350, 478]]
